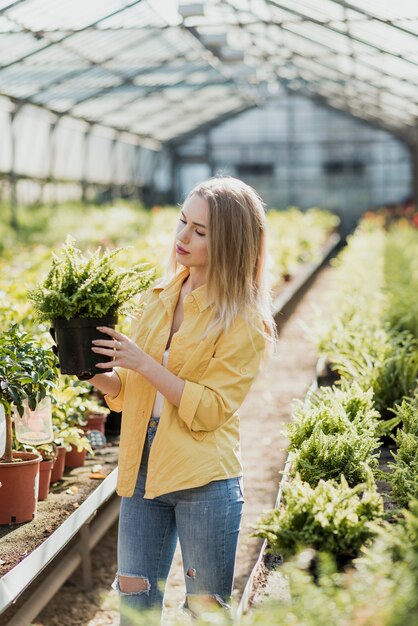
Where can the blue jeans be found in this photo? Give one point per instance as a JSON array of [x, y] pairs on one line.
[[205, 519]]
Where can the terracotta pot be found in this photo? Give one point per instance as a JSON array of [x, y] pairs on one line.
[[45, 471], [19, 488], [58, 466], [95, 421], [74, 458]]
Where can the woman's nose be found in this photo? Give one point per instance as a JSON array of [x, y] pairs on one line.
[[183, 235]]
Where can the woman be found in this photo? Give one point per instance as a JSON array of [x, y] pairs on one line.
[[179, 381]]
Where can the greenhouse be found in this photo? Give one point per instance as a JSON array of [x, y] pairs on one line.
[[208, 313]]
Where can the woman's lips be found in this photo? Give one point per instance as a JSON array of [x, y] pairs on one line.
[[180, 250]]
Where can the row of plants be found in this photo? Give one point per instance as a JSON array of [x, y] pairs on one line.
[[371, 332], [346, 557], [330, 500]]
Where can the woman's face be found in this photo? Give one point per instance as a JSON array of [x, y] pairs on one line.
[[192, 233]]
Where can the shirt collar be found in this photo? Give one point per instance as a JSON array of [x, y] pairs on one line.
[[169, 292]]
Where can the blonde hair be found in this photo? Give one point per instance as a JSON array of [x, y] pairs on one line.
[[236, 278]]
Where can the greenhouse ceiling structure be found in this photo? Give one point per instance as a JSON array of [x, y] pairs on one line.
[[158, 72]]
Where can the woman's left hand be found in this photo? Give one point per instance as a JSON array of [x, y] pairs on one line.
[[123, 351]]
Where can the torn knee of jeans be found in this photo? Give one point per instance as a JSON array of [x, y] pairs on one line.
[[191, 572], [196, 603], [131, 584]]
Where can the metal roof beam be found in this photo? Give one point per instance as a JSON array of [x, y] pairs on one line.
[[339, 32], [76, 73], [11, 5], [20, 102], [50, 44], [208, 125], [327, 79], [331, 50], [370, 16], [129, 81], [156, 112], [379, 119]]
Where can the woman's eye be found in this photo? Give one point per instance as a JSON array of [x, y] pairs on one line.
[[183, 221], [201, 234]]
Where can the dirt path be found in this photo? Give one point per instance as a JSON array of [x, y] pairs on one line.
[[263, 416]]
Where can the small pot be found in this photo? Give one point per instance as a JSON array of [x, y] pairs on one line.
[[45, 471], [19, 488], [74, 458], [95, 421], [59, 464], [74, 340]]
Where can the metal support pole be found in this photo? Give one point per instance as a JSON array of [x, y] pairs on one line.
[[84, 167], [86, 557], [52, 152], [114, 168], [175, 191], [414, 165], [290, 140], [136, 175], [13, 178], [209, 153]]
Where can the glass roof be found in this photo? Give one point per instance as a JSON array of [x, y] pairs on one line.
[[139, 66]]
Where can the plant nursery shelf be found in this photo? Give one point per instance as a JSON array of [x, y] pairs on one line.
[[102, 505]]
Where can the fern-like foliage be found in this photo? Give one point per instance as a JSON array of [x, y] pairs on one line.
[[334, 432], [90, 285], [332, 517], [404, 476]]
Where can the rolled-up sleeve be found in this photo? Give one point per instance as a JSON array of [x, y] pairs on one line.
[[115, 402], [205, 405]]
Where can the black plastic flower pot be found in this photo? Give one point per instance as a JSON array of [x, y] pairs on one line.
[[74, 340]]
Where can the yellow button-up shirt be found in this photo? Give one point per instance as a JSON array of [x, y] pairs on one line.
[[198, 441]]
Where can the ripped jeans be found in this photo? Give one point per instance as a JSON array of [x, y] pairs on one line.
[[207, 522]]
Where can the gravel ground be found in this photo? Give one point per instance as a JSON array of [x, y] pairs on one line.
[[263, 417]]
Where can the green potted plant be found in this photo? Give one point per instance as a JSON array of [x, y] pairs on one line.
[[27, 373], [68, 411], [79, 293]]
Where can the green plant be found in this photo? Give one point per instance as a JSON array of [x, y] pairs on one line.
[[27, 372], [332, 517], [79, 285], [68, 436], [404, 475], [327, 456], [334, 432], [331, 409]]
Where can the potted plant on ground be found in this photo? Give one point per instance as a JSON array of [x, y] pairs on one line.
[[80, 293], [27, 373]]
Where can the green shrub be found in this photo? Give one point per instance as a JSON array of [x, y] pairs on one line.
[[380, 591], [79, 285], [331, 409], [332, 517], [327, 456], [404, 476], [334, 433], [370, 332], [401, 279]]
